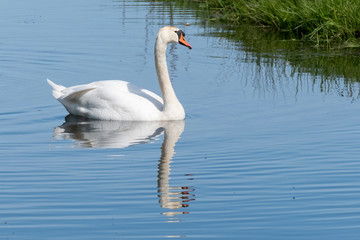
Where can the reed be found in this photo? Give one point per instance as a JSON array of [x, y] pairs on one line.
[[318, 20]]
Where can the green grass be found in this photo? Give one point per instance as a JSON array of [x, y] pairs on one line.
[[317, 20]]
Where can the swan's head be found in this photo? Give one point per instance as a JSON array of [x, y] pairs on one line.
[[171, 34]]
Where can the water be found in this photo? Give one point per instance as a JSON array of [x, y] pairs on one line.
[[269, 148]]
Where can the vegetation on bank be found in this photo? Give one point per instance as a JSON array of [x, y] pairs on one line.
[[318, 20], [339, 59]]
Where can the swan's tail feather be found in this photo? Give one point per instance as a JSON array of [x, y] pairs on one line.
[[56, 88]]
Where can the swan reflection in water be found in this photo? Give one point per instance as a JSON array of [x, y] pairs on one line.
[[116, 134]]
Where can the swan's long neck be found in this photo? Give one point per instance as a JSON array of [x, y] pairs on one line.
[[167, 91]]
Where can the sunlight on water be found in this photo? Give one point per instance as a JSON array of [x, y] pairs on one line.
[[268, 149]]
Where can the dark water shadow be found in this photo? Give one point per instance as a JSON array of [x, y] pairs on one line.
[[335, 70]]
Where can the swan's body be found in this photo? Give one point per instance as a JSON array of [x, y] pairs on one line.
[[110, 100], [120, 100]]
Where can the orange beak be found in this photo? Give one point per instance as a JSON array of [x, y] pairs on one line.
[[184, 42]]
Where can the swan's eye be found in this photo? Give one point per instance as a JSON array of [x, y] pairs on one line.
[[179, 33]]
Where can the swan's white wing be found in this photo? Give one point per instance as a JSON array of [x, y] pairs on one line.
[[112, 100], [74, 96]]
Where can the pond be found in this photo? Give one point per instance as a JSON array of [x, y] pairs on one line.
[[269, 148]]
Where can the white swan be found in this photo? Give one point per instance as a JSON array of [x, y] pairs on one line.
[[120, 100]]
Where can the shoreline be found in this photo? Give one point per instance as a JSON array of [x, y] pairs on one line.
[[323, 21]]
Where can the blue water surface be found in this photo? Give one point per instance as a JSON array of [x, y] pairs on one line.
[[264, 152]]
